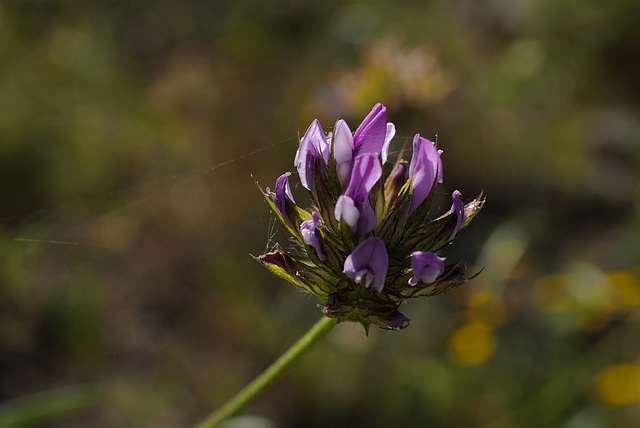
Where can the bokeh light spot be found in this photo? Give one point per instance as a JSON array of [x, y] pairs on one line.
[[627, 290], [550, 294], [479, 298], [472, 344], [487, 307], [619, 385]]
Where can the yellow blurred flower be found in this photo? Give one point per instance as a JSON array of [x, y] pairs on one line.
[[626, 290], [472, 344], [619, 385]]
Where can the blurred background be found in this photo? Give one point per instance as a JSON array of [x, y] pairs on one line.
[[128, 133]]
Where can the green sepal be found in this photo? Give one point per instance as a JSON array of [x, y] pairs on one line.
[[396, 280], [320, 278], [360, 305], [435, 234], [299, 271], [337, 243], [283, 266], [431, 236], [391, 228], [322, 195], [393, 184], [296, 214], [376, 199], [348, 237]]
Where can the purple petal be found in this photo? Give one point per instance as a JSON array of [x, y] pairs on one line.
[[304, 163], [367, 220], [346, 209], [458, 208], [370, 135], [343, 151], [391, 132], [359, 216], [278, 198], [424, 167], [311, 235], [426, 267], [314, 144], [365, 174], [287, 189], [368, 263]]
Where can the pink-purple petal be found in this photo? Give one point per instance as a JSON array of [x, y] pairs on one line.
[[426, 267], [368, 264], [457, 207], [370, 135], [425, 164], [314, 144], [346, 209], [311, 235], [282, 190], [343, 151], [365, 174], [391, 132]]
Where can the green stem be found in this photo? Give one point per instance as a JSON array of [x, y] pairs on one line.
[[270, 375]]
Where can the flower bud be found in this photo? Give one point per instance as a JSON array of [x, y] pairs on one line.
[[394, 183]]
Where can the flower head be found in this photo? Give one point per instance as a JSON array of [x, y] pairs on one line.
[[369, 241]]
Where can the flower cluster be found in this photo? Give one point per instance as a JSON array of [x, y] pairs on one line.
[[368, 242]]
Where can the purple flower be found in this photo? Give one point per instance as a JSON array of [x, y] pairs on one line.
[[354, 206], [372, 136], [367, 265], [282, 190], [426, 267], [385, 237], [314, 145], [458, 208], [311, 235], [425, 169]]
